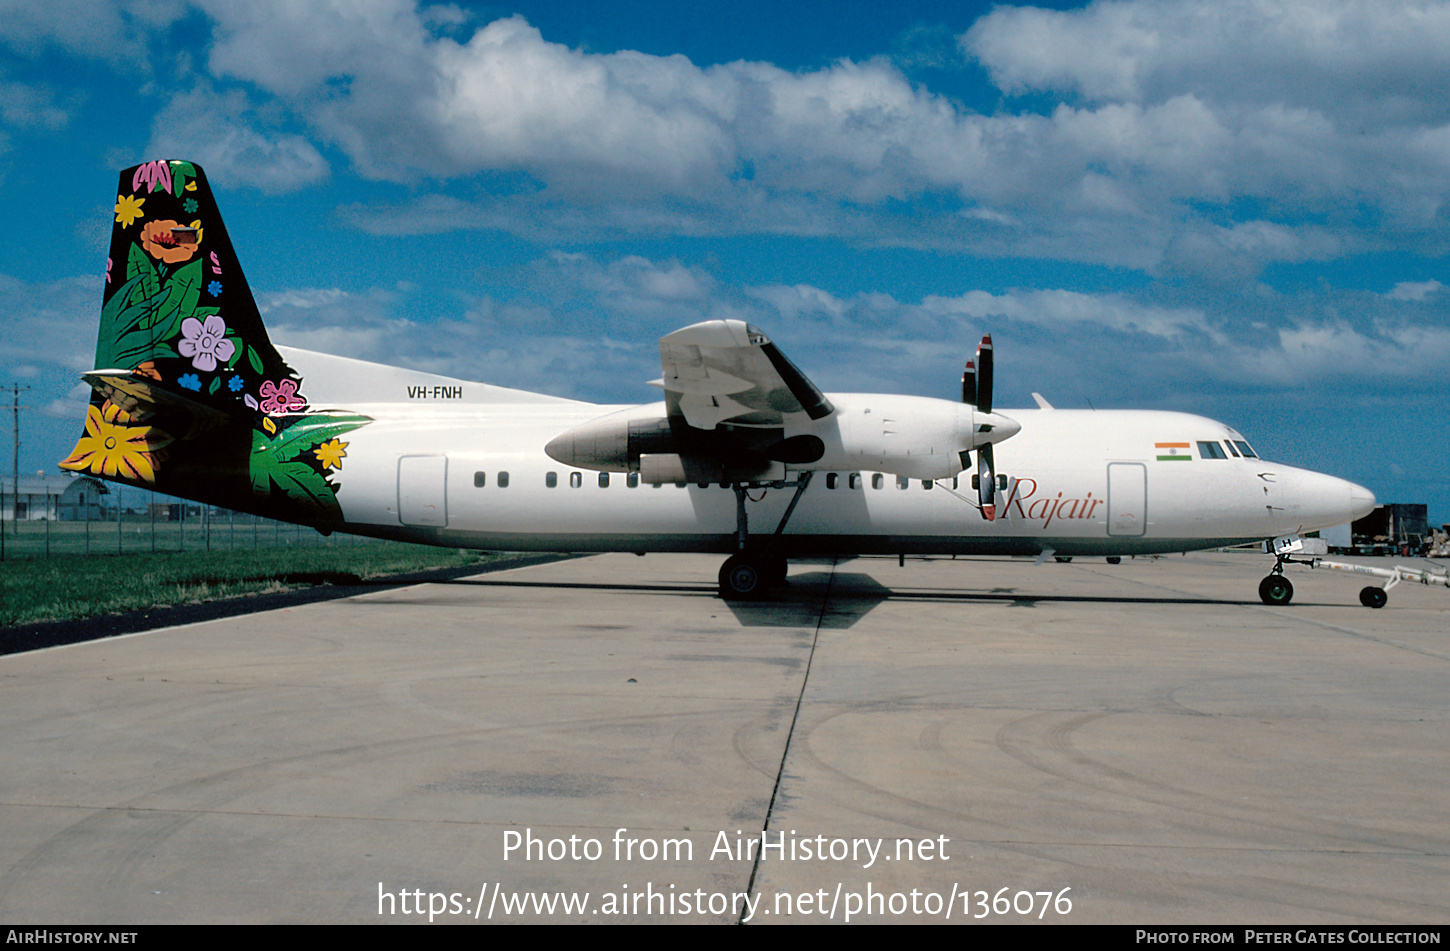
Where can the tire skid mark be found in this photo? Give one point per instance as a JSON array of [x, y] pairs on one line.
[[1044, 742]]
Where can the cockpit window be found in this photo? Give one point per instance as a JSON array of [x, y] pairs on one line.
[[1211, 450], [1244, 448], [1231, 450]]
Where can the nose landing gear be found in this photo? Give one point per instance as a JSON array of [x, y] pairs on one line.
[[1276, 589]]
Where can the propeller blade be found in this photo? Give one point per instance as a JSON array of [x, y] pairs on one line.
[[984, 374], [986, 482], [969, 384]]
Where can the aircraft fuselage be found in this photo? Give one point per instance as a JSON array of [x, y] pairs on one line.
[[1079, 482]]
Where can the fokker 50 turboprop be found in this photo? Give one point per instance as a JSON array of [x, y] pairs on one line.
[[744, 456]]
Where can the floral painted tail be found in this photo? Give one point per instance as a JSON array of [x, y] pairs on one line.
[[189, 395]]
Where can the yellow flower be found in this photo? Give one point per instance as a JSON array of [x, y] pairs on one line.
[[128, 209], [331, 454], [111, 447]]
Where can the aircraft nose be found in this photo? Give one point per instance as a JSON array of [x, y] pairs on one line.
[[1318, 501], [1361, 501]]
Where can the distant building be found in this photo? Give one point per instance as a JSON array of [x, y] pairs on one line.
[[1393, 526], [63, 497]]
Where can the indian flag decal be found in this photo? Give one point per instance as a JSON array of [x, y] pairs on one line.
[[1172, 451]]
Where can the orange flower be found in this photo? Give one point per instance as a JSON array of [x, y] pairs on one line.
[[160, 243], [112, 447]]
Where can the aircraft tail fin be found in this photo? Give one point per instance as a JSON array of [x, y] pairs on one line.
[[189, 396]]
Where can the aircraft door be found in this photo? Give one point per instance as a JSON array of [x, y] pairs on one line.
[[423, 491], [1127, 498]]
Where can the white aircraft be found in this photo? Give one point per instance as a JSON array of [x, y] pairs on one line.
[[744, 456]]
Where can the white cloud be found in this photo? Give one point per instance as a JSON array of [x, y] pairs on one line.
[[1340, 56], [26, 105], [114, 31], [1418, 291], [1188, 135], [51, 323], [225, 134], [1049, 308], [1315, 351]]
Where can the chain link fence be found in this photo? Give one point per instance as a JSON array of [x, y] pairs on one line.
[[134, 521]]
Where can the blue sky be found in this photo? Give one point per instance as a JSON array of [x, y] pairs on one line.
[[1236, 209]]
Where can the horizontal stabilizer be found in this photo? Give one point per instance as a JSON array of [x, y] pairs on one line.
[[138, 394]]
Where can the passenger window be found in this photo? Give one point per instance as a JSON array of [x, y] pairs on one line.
[[902, 482], [954, 482], [876, 480], [681, 485], [632, 480], [604, 480], [479, 480], [926, 483], [551, 479], [503, 480], [830, 480], [854, 480], [576, 479]]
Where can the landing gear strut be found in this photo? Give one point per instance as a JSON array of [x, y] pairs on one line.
[[751, 571]]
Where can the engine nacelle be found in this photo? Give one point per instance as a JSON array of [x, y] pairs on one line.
[[913, 436], [614, 443]]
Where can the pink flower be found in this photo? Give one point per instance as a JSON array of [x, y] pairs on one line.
[[280, 397], [205, 343], [153, 174]]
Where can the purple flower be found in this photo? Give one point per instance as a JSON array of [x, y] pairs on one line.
[[205, 343], [280, 397], [214, 288], [189, 381]]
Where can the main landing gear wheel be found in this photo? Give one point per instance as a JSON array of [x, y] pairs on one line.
[[1276, 589], [744, 577], [1373, 597]]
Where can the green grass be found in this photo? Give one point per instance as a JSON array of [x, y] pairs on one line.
[[76, 586]]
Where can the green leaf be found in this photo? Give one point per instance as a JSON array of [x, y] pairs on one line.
[[216, 384], [118, 316], [312, 431], [180, 172], [255, 359], [236, 352], [182, 293], [301, 483], [138, 264]]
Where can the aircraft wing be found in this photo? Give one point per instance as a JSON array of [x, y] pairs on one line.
[[726, 371]]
